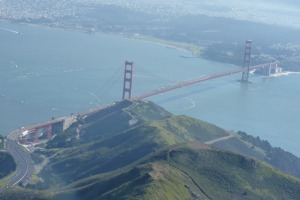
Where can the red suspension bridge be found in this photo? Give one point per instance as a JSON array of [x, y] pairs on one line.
[[46, 130], [200, 79], [267, 68]]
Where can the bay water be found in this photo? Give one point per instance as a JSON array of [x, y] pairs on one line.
[[49, 73]]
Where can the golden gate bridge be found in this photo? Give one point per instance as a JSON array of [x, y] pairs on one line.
[[45, 130]]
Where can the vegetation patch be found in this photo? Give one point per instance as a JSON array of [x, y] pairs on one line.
[[7, 164]]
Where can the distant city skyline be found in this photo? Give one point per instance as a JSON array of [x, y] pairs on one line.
[[283, 13]]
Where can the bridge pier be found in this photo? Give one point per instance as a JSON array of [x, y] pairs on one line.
[[269, 69], [276, 68], [265, 71], [247, 59], [43, 131]]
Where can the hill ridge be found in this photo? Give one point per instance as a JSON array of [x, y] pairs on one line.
[[160, 155]]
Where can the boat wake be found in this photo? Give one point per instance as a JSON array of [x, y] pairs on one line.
[[73, 70], [192, 104], [10, 30], [96, 97]]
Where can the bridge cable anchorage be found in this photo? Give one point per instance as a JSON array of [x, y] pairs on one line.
[[128, 75], [247, 59]]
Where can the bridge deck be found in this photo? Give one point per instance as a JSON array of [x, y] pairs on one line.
[[198, 80]]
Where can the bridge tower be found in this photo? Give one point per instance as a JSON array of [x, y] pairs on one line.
[[127, 86], [247, 58]]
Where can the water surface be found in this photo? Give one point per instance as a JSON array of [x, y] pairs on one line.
[[50, 73]]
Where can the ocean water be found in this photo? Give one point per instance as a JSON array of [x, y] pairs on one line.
[[50, 73]]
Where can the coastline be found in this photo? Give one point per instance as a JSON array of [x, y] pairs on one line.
[[193, 49]]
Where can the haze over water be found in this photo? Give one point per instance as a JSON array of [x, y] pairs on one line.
[[50, 73]]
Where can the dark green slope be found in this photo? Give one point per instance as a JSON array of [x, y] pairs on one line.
[[137, 150], [99, 157], [192, 171], [224, 175], [123, 149], [188, 173], [7, 164], [261, 149], [18, 193], [118, 118]]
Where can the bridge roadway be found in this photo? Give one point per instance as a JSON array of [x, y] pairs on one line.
[[198, 80]]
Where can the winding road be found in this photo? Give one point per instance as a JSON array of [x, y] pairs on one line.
[[25, 164]]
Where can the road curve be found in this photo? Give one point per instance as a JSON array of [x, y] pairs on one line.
[[25, 165]]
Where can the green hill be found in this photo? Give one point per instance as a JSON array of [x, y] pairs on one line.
[[124, 148], [192, 171], [261, 149], [107, 122], [137, 150], [7, 164]]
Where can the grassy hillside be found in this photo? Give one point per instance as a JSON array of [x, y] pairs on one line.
[[123, 149], [137, 150], [7, 164], [255, 147], [18, 193], [187, 173], [184, 172], [115, 119], [224, 175]]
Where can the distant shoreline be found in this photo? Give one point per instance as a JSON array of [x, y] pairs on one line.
[[194, 49]]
